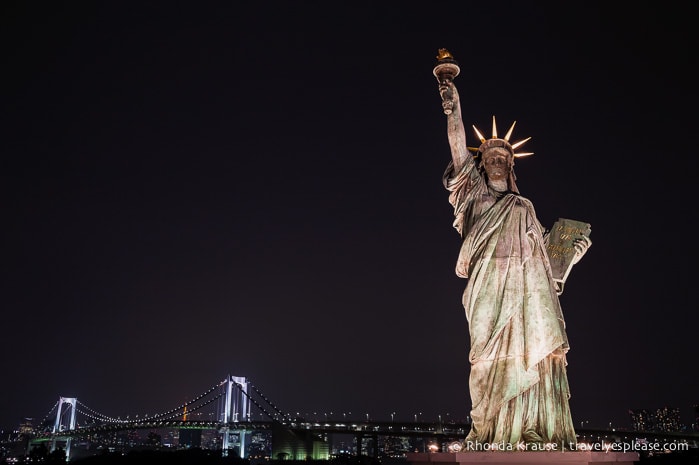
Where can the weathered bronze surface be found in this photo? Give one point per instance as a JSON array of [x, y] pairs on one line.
[[518, 382]]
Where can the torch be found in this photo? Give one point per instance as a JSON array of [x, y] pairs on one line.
[[445, 71]]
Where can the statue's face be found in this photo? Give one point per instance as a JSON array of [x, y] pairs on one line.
[[496, 162]]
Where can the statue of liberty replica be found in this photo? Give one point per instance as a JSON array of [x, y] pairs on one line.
[[518, 382]]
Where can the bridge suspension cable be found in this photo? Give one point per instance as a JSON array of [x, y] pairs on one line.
[[178, 411], [94, 415], [51, 412], [284, 416], [168, 415], [211, 395]]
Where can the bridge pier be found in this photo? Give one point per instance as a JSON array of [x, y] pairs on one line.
[[65, 420], [236, 408]]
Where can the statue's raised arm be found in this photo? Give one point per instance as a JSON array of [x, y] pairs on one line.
[[445, 71]]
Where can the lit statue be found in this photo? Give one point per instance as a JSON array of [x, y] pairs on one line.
[[518, 381]]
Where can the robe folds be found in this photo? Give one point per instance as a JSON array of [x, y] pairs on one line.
[[518, 382]]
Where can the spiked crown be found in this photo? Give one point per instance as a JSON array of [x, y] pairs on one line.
[[497, 142]]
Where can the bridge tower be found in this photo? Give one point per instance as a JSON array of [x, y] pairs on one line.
[[235, 408], [65, 420]]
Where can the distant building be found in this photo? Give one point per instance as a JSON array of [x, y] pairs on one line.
[[396, 446], [189, 438], [306, 445], [260, 446], [665, 419], [26, 428]]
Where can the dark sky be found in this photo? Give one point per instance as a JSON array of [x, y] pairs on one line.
[[197, 189]]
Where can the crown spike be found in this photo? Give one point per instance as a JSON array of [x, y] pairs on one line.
[[517, 144], [478, 134], [523, 154], [509, 133], [495, 129]]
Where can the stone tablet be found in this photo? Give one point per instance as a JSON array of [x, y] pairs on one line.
[[560, 247]]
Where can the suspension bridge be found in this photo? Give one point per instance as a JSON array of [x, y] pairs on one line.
[[224, 411]]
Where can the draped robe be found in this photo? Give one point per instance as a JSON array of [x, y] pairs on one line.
[[518, 382]]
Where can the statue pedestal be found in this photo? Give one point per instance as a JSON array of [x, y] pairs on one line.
[[524, 457]]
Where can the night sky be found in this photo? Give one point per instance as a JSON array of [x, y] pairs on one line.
[[197, 189]]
